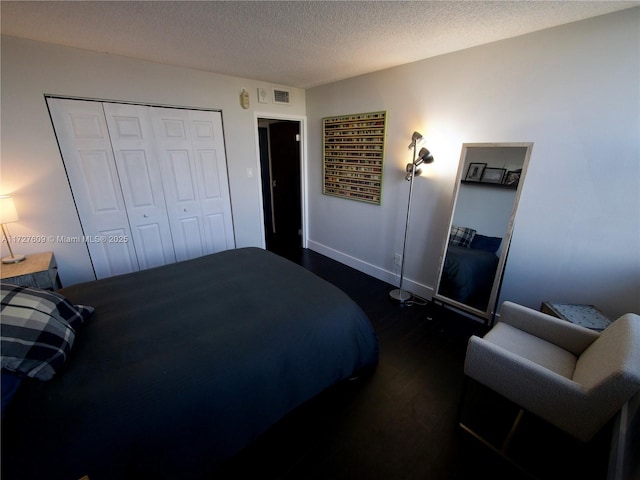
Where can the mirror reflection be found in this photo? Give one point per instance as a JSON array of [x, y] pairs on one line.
[[485, 202]]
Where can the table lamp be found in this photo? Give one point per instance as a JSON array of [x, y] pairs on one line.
[[8, 214]]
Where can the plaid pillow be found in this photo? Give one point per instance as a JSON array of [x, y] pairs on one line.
[[461, 236], [37, 330]]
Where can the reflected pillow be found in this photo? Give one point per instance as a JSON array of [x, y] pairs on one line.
[[461, 236], [482, 242]]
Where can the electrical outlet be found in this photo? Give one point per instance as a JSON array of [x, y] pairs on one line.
[[397, 259]]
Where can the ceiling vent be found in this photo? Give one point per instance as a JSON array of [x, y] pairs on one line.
[[282, 96]]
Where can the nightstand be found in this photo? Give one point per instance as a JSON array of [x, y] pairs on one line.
[[37, 270], [583, 315]]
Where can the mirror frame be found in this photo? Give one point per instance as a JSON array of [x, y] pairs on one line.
[[490, 311]]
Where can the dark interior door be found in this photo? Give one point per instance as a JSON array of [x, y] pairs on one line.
[[284, 228]]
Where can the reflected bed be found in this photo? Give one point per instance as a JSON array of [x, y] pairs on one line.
[[467, 275]]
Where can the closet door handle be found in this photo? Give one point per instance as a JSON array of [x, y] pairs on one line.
[[146, 215]]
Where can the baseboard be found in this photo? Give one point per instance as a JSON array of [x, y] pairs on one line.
[[387, 276]]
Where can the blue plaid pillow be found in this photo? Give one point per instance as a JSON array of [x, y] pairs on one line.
[[461, 236], [37, 330]]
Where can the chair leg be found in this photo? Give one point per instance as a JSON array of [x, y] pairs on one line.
[[503, 449], [502, 452], [514, 427], [463, 396], [507, 441]]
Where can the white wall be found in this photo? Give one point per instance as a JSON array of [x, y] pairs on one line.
[[32, 168], [574, 92]]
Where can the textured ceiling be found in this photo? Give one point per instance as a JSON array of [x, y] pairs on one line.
[[292, 43]]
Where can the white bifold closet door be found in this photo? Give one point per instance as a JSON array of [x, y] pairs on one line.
[[194, 173], [150, 184]]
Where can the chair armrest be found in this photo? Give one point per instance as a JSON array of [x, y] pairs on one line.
[[571, 337]]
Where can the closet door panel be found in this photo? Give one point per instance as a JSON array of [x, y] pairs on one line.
[[99, 181], [135, 154], [181, 139], [217, 223], [186, 214], [208, 165], [190, 228], [179, 179], [135, 171], [118, 254], [84, 142], [181, 176], [211, 165], [151, 245]]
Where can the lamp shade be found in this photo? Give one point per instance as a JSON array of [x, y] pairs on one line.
[[415, 139], [8, 211], [424, 157]]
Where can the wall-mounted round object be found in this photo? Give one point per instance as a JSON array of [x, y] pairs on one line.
[[244, 99]]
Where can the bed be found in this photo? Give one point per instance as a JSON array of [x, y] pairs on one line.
[[182, 366]]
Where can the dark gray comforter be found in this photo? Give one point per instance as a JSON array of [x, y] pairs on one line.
[[182, 366]]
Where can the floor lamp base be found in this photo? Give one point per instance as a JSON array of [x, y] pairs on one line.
[[399, 295]]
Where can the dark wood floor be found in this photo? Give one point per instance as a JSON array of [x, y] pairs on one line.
[[401, 422]]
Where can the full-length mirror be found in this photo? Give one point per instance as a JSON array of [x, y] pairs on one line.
[[490, 177]]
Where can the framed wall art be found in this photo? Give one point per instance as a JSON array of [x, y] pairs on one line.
[[512, 178], [493, 175], [353, 154], [474, 173]]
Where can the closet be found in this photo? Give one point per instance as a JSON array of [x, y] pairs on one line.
[[149, 183]]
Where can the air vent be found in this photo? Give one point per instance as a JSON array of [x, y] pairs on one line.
[[281, 96]]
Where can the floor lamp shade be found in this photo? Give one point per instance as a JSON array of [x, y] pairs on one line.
[[8, 214]]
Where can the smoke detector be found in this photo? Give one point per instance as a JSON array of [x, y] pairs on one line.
[[263, 95]]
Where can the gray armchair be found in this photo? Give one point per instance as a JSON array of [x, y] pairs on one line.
[[572, 377]]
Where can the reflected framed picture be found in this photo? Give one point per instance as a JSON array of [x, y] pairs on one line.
[[475, 171], [493, 175], [512, 178]]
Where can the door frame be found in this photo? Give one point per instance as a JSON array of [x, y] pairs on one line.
[[302, 120]]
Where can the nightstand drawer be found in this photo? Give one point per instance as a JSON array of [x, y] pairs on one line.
[[37, 270]]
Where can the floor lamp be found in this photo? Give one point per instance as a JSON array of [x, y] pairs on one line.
[[413, 170]]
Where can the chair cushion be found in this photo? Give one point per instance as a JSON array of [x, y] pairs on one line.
[[533, 348]]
